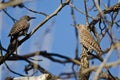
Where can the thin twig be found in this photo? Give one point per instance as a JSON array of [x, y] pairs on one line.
[[9, 15], [114, 8], [80, 11], [35, 11], [103, 64], [86, 12]]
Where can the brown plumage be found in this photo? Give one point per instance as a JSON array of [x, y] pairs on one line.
[[87, 40], [20, 27]]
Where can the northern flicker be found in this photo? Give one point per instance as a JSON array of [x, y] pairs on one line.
[[21, 26], [87, 40]]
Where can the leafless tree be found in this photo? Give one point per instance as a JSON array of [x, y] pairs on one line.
[[101, 19]]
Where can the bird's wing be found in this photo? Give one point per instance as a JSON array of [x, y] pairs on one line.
[[85, 34], [88, 40], [18, 27]]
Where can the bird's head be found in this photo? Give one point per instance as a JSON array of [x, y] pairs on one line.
[[80, 26], [28, 18]]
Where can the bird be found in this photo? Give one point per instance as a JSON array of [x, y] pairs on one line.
[[87, 40], [21, 27]]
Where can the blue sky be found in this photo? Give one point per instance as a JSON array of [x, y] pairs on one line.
[[61, 39]]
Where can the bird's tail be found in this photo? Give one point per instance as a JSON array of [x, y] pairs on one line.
[[11, 48], [99, 55], [13, 44]]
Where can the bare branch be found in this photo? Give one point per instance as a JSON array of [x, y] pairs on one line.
[[114, 8], [12, 3]]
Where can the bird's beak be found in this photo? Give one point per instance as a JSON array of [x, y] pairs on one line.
[[32, 17], [74, 25]]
